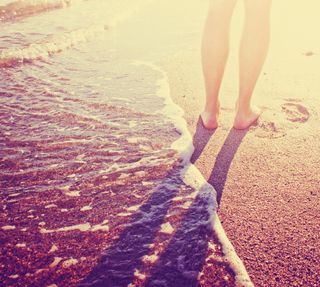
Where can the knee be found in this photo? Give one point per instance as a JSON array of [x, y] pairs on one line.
[[221, 5], [258, 7], [221, 10], [258, 13]]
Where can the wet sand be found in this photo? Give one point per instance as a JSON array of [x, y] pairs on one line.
[[267, 178]]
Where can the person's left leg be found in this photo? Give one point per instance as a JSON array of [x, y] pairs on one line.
[[253, 51], [215, 49]]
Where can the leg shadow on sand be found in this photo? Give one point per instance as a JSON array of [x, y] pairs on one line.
[[224, 158], [118, 263], [184, 257], [200, 139]]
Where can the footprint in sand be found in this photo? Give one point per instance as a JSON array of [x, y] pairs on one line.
[[268, 129], [276, 124], [295, 113]]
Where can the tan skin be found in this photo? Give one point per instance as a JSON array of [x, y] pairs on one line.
[[252, 54]]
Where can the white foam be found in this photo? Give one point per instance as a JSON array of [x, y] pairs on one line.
[[136, 140], [12, 200], [124, 214], [39, 271], [50, 206], [193, 177], [150, 258], [65, 188], [103, 226], [166, 228], [81, 227], [19, 9], [86, 208], [14, 194], [211, 246], [55, 262], [69, 262], [139, 275], [132, 124], [53, 248], [15, 276], [21, 245], [186, 205], [123, 176], [73, 193], [133, 208], [8, 227], [178, 198], [50, 45], [147, 183], [141, 173]]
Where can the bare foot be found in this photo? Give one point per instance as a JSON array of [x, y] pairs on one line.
[[209, 120], [245, 119]]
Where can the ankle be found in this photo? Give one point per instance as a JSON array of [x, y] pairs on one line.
[[212, 108], [243, 108]]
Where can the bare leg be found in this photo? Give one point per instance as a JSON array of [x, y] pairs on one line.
[[215, 49], [253, 52]]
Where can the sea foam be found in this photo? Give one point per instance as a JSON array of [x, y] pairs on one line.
[[21, 9], [49, 46], [193, 177]]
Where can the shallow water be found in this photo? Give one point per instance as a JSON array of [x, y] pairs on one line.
[[86, 159]]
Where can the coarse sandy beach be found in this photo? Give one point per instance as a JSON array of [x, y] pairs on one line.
[[267, 177], [96, 184]]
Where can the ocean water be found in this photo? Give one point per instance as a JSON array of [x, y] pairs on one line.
[[96, 184]]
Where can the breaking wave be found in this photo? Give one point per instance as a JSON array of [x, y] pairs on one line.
[[49, 46], [21, 9]]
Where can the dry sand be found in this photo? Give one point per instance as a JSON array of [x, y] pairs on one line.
[[267, 178]]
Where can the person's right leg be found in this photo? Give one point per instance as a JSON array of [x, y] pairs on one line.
[[215, 48], [253, 52]]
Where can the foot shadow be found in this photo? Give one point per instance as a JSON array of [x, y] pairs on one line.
[[224, 159], [200, 140]]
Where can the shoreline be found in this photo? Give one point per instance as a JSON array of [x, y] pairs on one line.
[[255, 173], [191, 176]]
